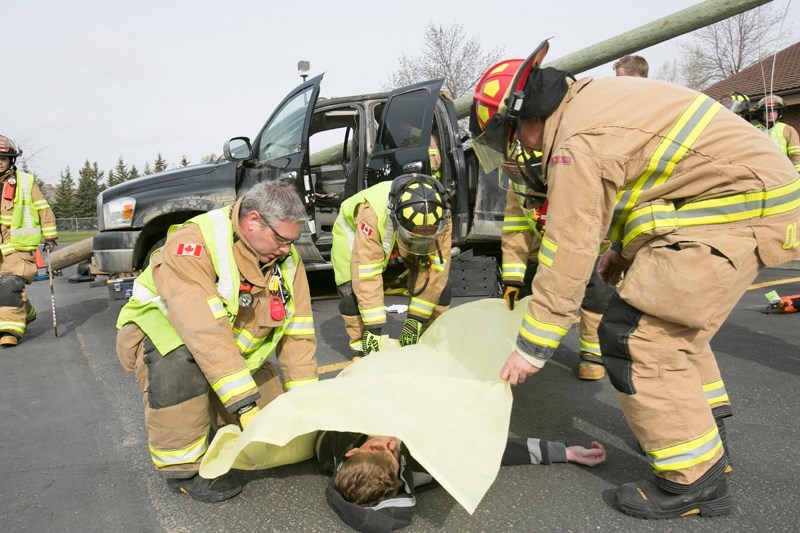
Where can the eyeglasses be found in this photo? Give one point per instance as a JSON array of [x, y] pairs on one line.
[[280, 239]]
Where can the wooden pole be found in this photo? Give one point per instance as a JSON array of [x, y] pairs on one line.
[[65, 256], [658, 31]]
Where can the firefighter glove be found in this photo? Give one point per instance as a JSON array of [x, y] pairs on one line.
[[49, 245], [410, 332], [511, 295], [246, 414], [371, 340]]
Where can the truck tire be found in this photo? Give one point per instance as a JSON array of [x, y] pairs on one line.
[[153, 249]]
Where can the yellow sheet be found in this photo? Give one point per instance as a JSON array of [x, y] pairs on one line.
[[443, 398]]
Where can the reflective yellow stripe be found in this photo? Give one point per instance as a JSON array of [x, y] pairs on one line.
[[216, 306], [590, 347], [299, 383], [13, 327], [724, 210], [376, 315], [436, 264], [715, 392], [188, 455], [541, 333], [514, 270], [672, 148], [516, 224], [233, 385], [547, 252], [687, 454], [368, 271], [300, 325], [420, 307]]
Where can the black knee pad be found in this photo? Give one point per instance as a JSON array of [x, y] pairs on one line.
[[172, 378], [11, 287], [619, 319], [598, 294], [348, 305], [446, 296]]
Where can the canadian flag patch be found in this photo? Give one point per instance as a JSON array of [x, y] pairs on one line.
[[189, 248], [366, 229]]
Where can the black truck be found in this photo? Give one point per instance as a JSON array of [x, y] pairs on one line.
[[329, 149]]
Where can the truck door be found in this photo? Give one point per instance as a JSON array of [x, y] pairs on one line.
[[404, 132], [280, 150]]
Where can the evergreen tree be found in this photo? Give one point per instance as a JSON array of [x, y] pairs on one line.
[[89, 186], [133, 173], [147, 170], [184, 162], [119, 173], [160, 164], [64, 205]]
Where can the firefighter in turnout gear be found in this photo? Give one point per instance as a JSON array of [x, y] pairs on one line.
[[695, 203], [409, 215], [770, 112], [26, 221], [523, 227], [224, 296]]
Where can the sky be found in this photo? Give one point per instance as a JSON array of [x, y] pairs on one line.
[[99, 79]]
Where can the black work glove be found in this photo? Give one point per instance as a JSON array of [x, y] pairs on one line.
[[371, 340], [49, 245], [511, 292]]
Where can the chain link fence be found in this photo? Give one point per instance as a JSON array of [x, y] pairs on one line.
[[76, 224]]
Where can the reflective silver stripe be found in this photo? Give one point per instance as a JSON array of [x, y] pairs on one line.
[[348, 231], [145, 295], [424, 308], [388, 235], [684, 456], [221, 223], [187, 455], [233, 386]]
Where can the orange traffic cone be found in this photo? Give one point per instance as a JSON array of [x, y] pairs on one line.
[[39, 261]]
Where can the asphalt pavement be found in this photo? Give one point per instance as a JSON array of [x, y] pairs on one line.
[[73, 448]]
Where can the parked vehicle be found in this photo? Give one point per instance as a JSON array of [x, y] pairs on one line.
[[329, 149]]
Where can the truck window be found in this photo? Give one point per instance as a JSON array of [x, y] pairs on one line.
[[284, 134], [404, 121]]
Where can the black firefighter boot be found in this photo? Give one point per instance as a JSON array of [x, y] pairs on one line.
[[646, 499], [206, 490]]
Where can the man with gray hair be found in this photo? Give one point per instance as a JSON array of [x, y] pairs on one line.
[[224, 297]]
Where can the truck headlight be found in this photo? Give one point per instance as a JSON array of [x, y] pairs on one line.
[[119, 213]]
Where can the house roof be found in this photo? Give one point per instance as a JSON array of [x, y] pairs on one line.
[[750, 81]]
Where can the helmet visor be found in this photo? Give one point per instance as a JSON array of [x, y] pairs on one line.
[[422, 241]]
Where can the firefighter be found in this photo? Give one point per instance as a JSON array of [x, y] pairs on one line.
[[631, 65], [26, 221], [225, 292], [770, 112], [695, 202], [410, 216], [523, 228], [738, 103]]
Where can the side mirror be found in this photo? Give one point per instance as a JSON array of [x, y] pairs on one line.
[[237, 149]]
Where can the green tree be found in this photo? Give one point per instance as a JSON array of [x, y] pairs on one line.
[[89, 186], [209, 158], [133, 173], [64, 205], [119, 173], [184, 162], [160, 164], [147, 169]]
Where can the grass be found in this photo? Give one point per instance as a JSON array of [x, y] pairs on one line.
[[66, 237]]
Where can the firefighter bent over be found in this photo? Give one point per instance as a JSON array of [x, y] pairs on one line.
[[225, 295], [695, 202], [409, 214], [26, 220]]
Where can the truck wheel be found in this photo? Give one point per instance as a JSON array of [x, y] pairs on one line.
[[153, 250]]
